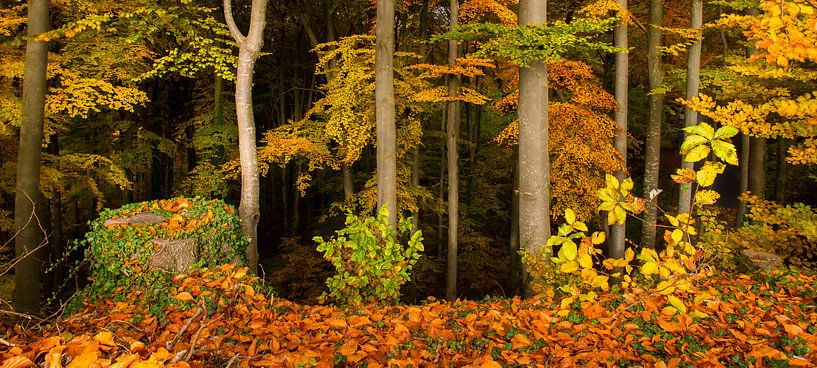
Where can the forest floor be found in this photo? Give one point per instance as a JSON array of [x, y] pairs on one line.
[[763, 319]]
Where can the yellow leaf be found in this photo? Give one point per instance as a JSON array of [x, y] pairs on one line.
[[677, 303], [520, 341], [598, 237], [649, 268], [585, 261], [569, 267], [570, 216], [105, 338]]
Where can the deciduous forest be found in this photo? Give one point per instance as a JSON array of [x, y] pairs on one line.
[[408, 183]]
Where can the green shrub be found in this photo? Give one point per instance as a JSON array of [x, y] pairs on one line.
[[119, 255], [370, 263]]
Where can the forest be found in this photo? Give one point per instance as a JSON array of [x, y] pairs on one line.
[[408, 183]]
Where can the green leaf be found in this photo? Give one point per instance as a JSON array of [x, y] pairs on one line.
[[726, 132], [568, 251], [697, 154], [703, 129], [691, 142], [725, 151]]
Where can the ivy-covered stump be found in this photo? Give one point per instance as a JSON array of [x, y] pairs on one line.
[[142, 246]]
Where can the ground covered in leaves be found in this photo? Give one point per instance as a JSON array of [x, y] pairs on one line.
[[765, 319]]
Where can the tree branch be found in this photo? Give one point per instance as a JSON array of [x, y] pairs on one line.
[[228, 17]]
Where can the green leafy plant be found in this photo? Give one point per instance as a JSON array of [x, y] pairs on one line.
[[119, 254], [371, 264]]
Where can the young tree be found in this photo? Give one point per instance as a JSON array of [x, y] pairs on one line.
[[249, 49], [28, 238], [384, 110], [534, 163], [622, 92], [693, 82], [652, 154], [453, 129]]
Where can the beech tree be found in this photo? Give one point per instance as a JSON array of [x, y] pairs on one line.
[[693, 82], [534, 163], [652, 153], [249, 49], [452, 130], [384, 110], [29, 235], [622, 92]]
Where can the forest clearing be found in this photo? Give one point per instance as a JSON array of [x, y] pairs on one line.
[[408, 183]]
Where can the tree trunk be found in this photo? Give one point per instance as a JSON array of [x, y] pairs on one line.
[[348, 187], [652, 154], [384, 110], [443, 171], [691, 116], [757, 167], [745, 148], [415, 182], [249, 49], [780, 173], [452, 133], [29, 236], [516, 279], [534, 162], [617, 233]]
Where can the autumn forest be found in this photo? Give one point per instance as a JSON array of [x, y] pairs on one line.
[[408, 183]]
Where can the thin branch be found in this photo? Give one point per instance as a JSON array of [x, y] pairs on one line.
[[228, 17]]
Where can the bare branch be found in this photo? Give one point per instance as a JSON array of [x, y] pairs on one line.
[[228, 16]]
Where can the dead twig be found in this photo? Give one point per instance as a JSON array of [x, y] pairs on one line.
[[170, 344]]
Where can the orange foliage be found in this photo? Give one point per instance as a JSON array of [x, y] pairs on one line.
[[765, 317]]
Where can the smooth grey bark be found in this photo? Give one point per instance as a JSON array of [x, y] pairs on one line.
[[757, 167], [28, 238], [693, 83], [622, 92], [452, 135], [249, 49], [534, 163], [652, 153], [384, 110], [348, 186], [743, 186]]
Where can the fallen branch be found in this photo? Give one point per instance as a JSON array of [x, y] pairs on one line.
[[170, 344]]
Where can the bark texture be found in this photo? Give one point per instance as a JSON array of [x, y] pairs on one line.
[[534, 163], [384, 110], [452, 134], [29, 238], [652, 154], [617, 233], [693, 83], [249, 49]]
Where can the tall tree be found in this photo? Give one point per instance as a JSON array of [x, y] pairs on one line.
[[534, 163], [384, 110], [693, 82], [249, 49], [28, 238], [617, 237], [453, 129], [652, 154]]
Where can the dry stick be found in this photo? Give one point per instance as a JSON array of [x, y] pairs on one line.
[[170, 344], [193, 343], [231, 361]]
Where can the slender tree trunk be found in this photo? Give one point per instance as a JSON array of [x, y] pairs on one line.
[[452, 131], [516, 279], [652, 154], [617, 233], [780, 174], [757, 167], [443, 171], [29, 235], [249, 49], [691, 116], [534, 162], [348, 187], [415, 182], [745, 148], [384, 110]]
